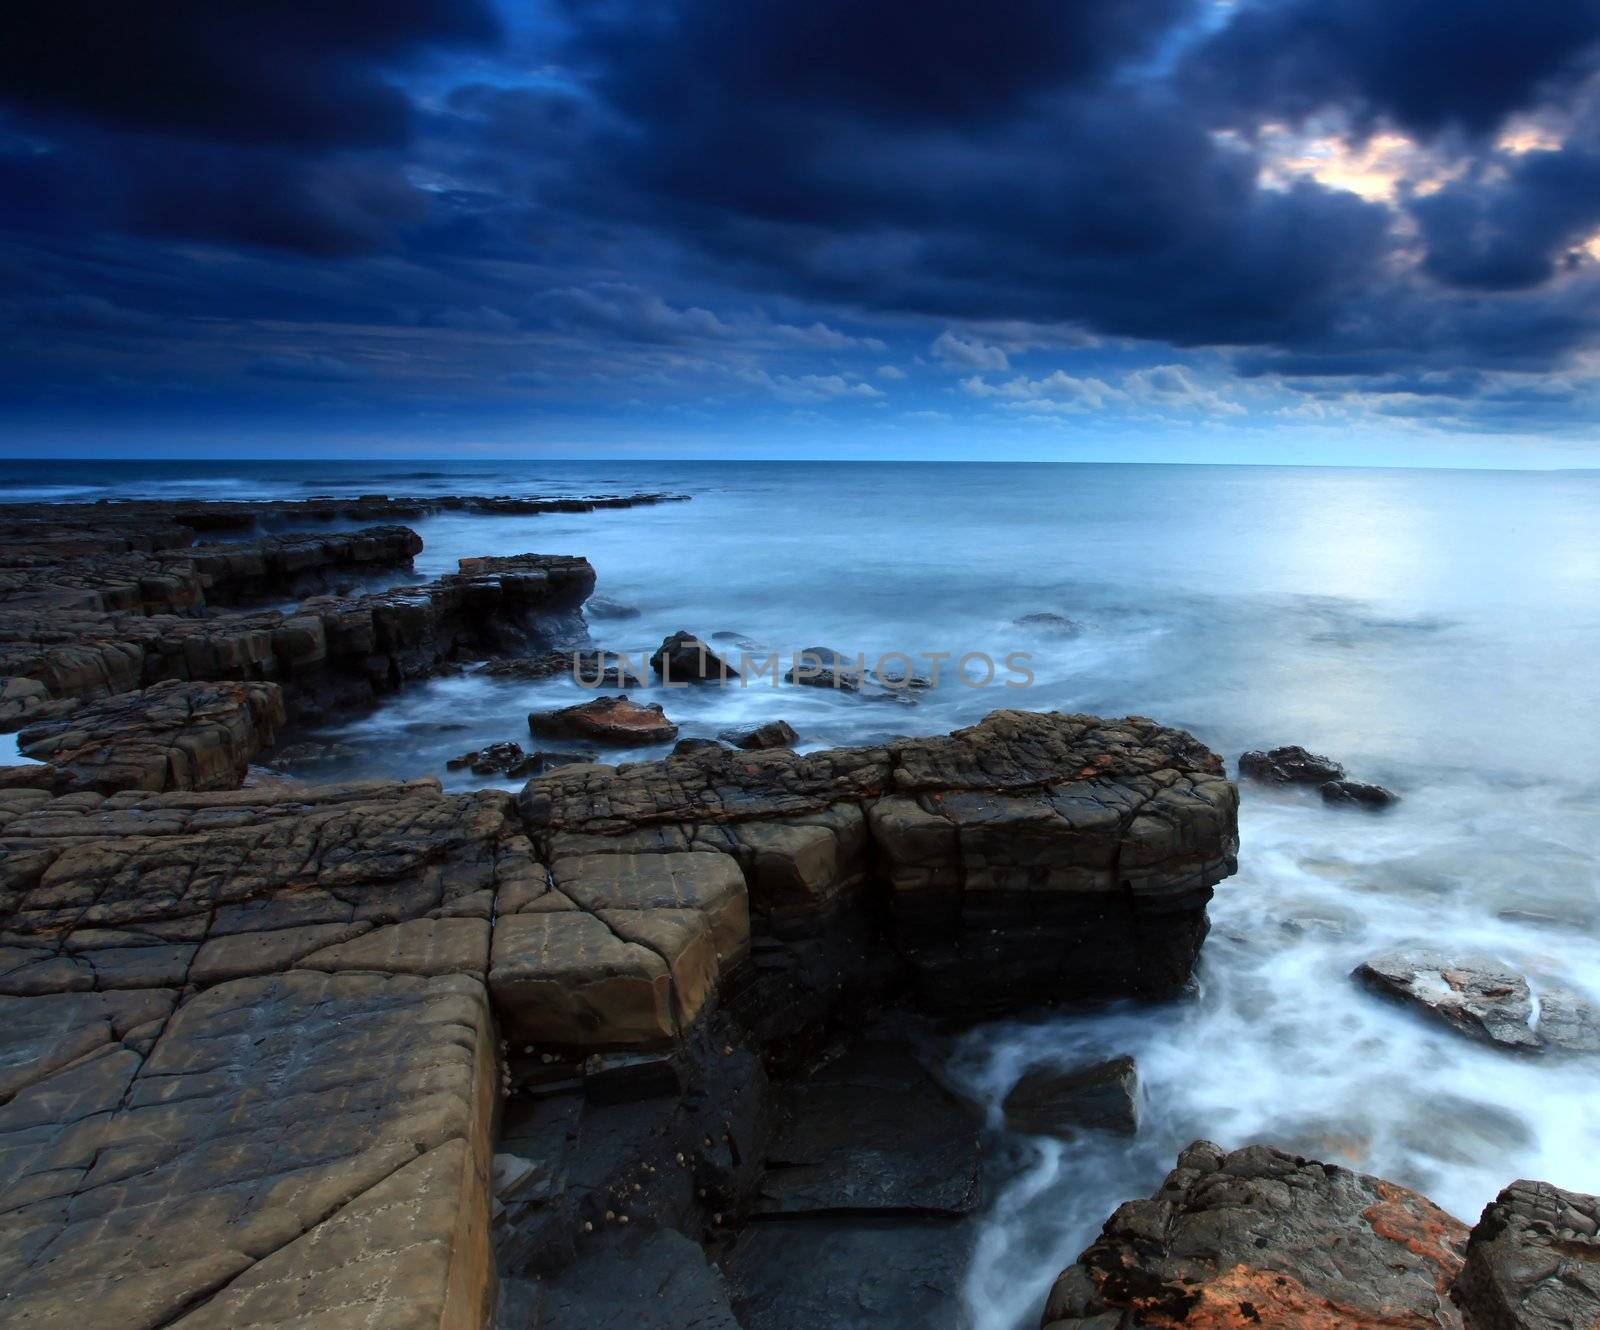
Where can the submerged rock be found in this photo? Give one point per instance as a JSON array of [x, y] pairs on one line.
[[603, 607], [1052, 1101], [1533, 1261], [1474, 995], [1357, 794], [607, 720], [1051, 625], [1264, 1240], [501, 759], [774, 734], [684, 658], [1289, 765]]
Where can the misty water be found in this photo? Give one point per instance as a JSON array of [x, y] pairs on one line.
[[1437, 632]]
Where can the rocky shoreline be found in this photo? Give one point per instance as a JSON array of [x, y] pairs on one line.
[[647, 1043]]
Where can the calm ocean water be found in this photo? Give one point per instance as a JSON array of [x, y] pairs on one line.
[[1436, 631]]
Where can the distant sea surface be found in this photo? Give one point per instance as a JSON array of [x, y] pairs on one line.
[[1436, 631]]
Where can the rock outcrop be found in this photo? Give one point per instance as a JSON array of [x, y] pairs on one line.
[[1031, 857], [250, 1047], [104, 599], [1260, 1238], [1533, 1261]]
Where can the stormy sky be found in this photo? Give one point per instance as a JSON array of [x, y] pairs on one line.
[[1258, 230]]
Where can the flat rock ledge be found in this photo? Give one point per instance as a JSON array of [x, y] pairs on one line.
[[1261, 1238], [106, 599], [249, 1065]]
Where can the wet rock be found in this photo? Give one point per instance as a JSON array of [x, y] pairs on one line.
[[1050, 625], [652, 1281], [1261, 1238], [684, 746], [1050, 1101], [1533, 1261], [684, 658], [1357, 794], [881, 1271], [501, 759], [312, 753], [871, 1131], [607, 720], [1474, 995], [773, 734], [603, 607], [590, 669], [1290, 765], [823, 667], [1568, 1021]]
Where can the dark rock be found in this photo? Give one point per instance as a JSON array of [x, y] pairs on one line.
[[1291, 765], [1533, 1262], [886, 1272], [590, 669], [549, 760], [1049, 1101], [684, 658], [773, 734], [871, 1130], [501, 759], [1357, 794], [823, 667], [1261, 1239], [607, 720], [1474, 995], [684, 746], [649, 1281], [603, 607], [1053, 625]]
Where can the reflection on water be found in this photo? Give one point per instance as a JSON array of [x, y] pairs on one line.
[[1435, 631]]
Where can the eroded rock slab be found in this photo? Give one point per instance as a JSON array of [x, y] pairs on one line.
[[155, 891], [299, 1149], [1262, 1238], [170, 736]]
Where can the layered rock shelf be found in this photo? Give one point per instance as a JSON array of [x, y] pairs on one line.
[[102, 600], [264, 1019]]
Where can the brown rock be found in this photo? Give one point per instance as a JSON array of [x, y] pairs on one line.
[[608, 720]]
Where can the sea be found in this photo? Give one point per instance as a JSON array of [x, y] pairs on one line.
[[1436, 631]]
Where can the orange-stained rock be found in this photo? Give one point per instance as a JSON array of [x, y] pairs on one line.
[[1260, 1238]]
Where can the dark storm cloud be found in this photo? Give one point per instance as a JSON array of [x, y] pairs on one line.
[[1426, 65], [973, 164], [274, 72], [1513, 223], [920, 61], [690, 185]]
